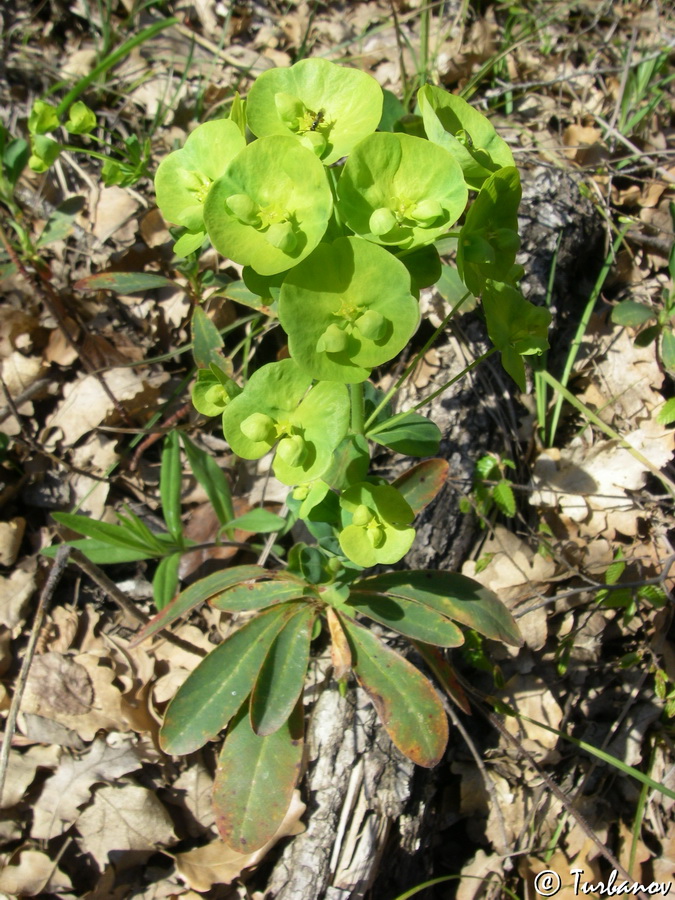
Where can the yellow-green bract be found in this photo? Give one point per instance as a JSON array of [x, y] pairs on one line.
[[328, 108]]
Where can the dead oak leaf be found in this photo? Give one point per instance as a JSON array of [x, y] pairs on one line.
[[30, 873], [62, 685], [71, 785], [15, 592], [124, 817], [21, 771]]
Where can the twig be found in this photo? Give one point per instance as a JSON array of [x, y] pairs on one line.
[[156, 435], [51, 584], [31, 391], [115, 594]]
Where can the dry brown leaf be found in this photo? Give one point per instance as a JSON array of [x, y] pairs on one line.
[[153, 229], [62, 685], [479, 875], [11, 534], [114, 208], [124, 817], [21, 771], [71, 785], [29, 873], [584, 144], [15, 592], [195, 787], [96, 455], [59, 349], [19, 372], [216, 863], [47, 731], [529, 696], [86, 404]]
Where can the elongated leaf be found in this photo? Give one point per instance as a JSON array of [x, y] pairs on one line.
[[140, 530], [60, 223], [212, 478], [123, 282], [340, 651], [165, 582], [255, 781], [444, 673], [170, 484], [422, 483], [195, 594], [206, 340], [259, 521], [407, 617], [413, 435], [282, 675], [216, 689], [116, 535], [245, 597], [629, 312], [101, 552], [455, 596], [408, 706]]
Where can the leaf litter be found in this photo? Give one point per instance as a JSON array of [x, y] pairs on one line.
[[85, 762]]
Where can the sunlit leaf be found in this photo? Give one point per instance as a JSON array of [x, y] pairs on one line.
[[421, 484]]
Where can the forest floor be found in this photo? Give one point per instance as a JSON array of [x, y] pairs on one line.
[[95, 370]]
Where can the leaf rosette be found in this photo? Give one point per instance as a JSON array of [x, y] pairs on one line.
[[464, 132], [277, 408], [271, 207], [184, 177], [401, 190], [378, 529], [489, 241], [347, 308], [328, 108]]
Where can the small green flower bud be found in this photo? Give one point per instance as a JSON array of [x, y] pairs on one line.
[[362, 515], [244, 208], [333, 340], [376, 535], [281, 236], [217, 395], [291, 109], [301, 491], [372, 325], [333, 565], [506, 240], [292, 450], [382, 221], [427, 212], [259, 427]]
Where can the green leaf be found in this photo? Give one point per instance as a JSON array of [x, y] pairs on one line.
[[259, 521], [81, 120], [668, 350], [412, 435], [282, 675], [515, 326], [502, 494], [43, 117], [206, 340], [255, 779], [165, 582], [424, 265], [60, 222], [115, 535], [326, 107], [666, 415], [444, 673], [628, 312], [647, 336], [406, 703], [421, 484], [269, 223], [170, 485], [189, 242], [392, 110], [15, 159], [455, 596], [184, 177], [196, 594], [44, 152], [453, 290], [363, 312], [407, 617], [123, 282], [216, 689], [212, 478], [399, 190], [488, 241], [247, 597], [240, 293], [350, 463], [464, 132], [101, 552]]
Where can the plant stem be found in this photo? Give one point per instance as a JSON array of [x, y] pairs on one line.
[[358, 408]]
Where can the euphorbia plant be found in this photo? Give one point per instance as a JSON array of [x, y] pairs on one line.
[[336, 225]]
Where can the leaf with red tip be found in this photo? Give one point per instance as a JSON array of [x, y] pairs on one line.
[[407, 704], [445, 674], [255, 780], [123, 282]]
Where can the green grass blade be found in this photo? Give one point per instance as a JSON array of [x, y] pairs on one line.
[[170, 485]]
